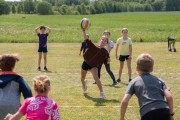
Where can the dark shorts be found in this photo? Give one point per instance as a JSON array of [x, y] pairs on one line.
[[85, 66], [42, 49], [159, 114], [123, 57]]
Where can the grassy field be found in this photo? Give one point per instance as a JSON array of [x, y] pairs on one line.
[[64, 65], [145, 26]]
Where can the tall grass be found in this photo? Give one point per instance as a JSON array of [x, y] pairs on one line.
[[143, 26]]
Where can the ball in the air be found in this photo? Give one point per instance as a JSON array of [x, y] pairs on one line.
[[85, 23]]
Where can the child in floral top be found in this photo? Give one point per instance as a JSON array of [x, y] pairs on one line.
[[39, 107]]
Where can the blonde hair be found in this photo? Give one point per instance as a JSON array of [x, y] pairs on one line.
[[145, 63], [8, 61], [41, 83], [106, 31], [124, 29]]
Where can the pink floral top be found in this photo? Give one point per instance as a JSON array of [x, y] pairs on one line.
[[40, 108]]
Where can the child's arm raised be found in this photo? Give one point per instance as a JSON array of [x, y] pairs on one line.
[[49, 29], [37, 30], [84, 34]]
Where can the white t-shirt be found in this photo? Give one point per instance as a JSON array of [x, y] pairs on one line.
[[124, 45], [111, 44]]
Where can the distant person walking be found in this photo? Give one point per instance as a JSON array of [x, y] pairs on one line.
[[42, 32], [125, 44]]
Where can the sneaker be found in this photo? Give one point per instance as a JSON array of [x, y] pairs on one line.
[[174, 49], [118, 80], [45, 68], [130, 80], [102, 95], [84, 86], [114, 83], [39, 68]]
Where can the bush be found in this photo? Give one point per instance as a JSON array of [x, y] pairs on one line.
[[148, 7], [44, 8], [13, 9], [56, 12], [4, 8], [158, 5], [19, 8]]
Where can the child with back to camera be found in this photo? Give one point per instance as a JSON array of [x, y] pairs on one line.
[[150, 91], [11, 85], [39, 107]]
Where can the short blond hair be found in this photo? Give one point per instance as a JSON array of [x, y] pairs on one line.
[[41, 83], [145, 63], [124, 29], [106, 31], [8, 61]]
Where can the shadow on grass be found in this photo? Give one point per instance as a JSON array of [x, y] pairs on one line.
[[123, 83], [115, 86], [46, 71], [100, 102]]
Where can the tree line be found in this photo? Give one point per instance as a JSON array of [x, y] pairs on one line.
[[77, 7]]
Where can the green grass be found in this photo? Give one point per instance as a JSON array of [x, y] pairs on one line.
[[148, 26], [64, 64]]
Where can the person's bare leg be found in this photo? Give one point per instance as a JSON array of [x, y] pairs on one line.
[[39, 59], [120, 70], [170, 47], [83, 76], [45, 59], [94, 72], [173, 45], [129, 68]]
